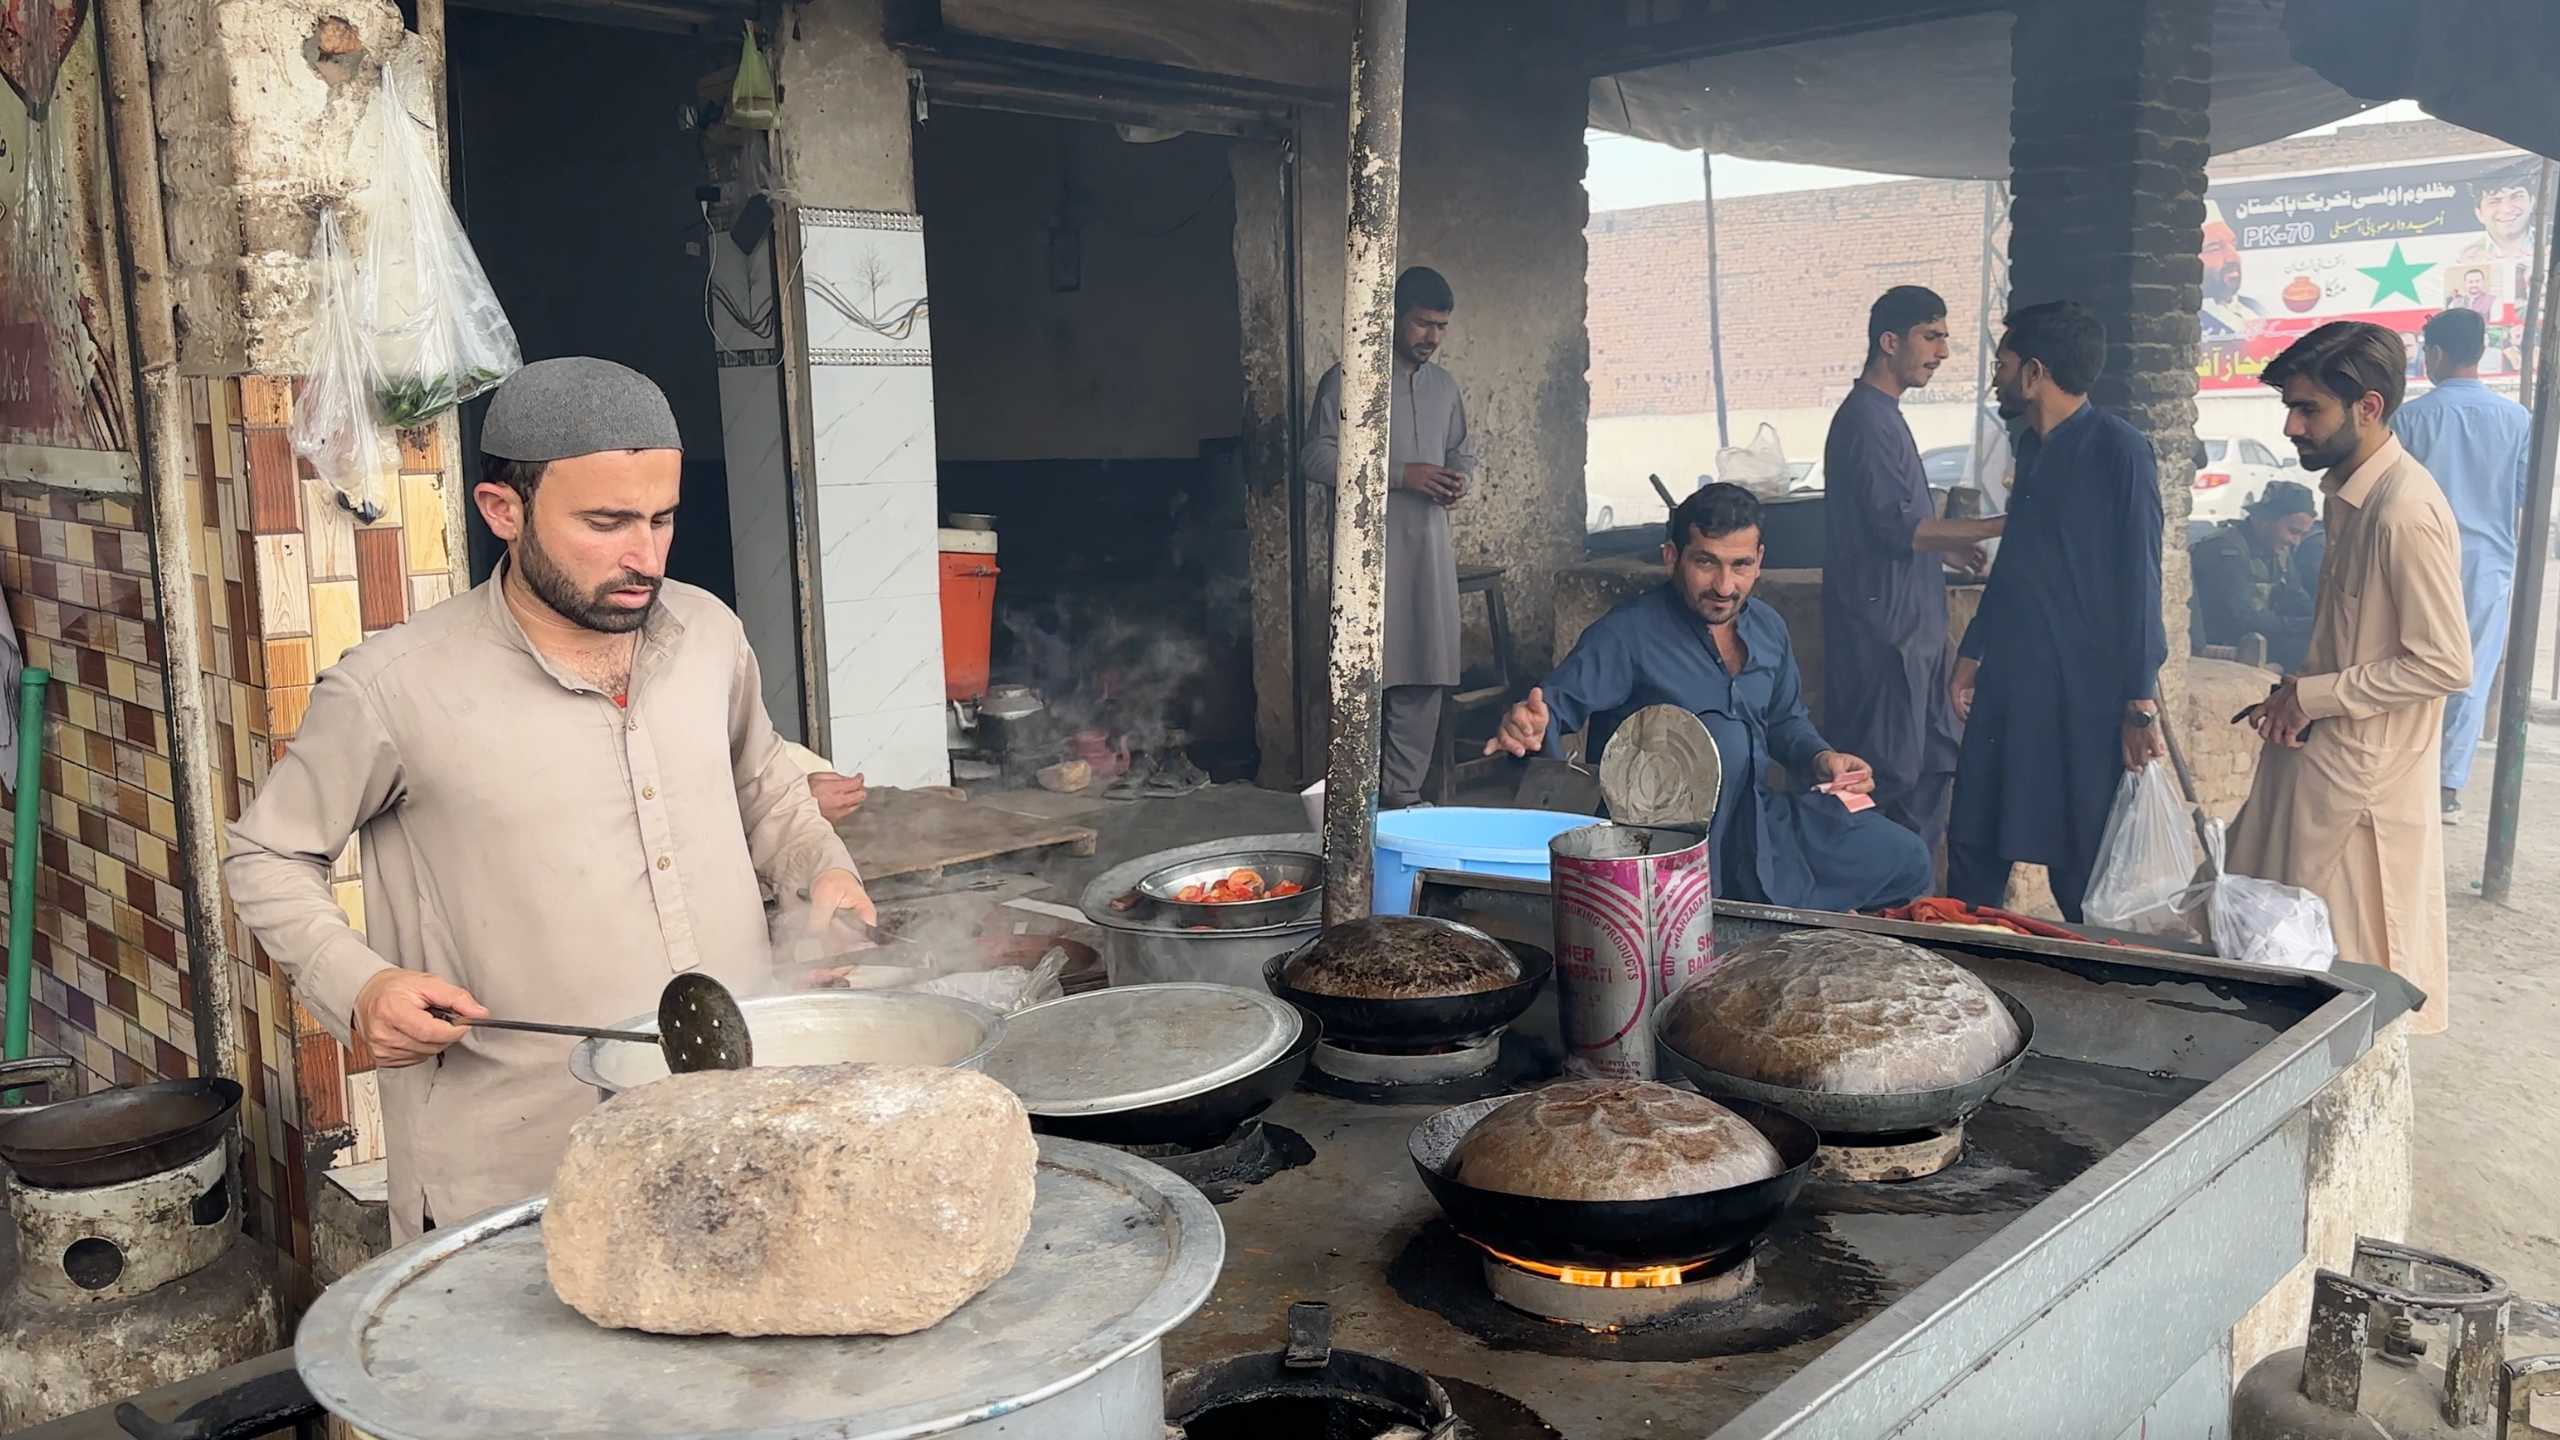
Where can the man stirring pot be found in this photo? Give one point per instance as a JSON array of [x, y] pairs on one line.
[[568, 790]]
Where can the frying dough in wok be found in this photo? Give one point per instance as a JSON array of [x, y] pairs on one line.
[[1400, 957], [1844, 1013], [1613, 1140]]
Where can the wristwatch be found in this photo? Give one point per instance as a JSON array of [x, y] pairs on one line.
[[2141, 719]]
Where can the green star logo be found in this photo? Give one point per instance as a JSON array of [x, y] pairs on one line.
[[2397, 276]]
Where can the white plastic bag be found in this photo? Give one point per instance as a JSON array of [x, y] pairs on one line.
[[333, 426], [1760, 467], [2265, 922], [2146, 861], [439, 334]]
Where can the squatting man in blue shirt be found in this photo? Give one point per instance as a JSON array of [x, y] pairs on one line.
[[1702, 643]]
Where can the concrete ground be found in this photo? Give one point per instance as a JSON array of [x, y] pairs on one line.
[[2486, 1167]]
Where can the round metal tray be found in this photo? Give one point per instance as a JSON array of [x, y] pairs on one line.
[[1138, 1045], [1123, 879], [458, 1336], [1834, 1113], [1275, 866]]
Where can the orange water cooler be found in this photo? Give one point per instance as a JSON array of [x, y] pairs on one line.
[[968, 611]]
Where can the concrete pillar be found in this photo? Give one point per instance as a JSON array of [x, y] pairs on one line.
[[844, 155], [2107, 156]]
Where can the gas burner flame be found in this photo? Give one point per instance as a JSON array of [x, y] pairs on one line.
[[1650, 1277]]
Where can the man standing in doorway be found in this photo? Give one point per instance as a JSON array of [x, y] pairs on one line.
[[1885, 667], [2344, 803], [1430, 465], [568, 790], [2474, 442], [2057, 679]]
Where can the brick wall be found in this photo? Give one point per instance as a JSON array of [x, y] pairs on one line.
[[1800, 269]]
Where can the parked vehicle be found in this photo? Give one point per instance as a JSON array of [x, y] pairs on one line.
[[2231, 473]]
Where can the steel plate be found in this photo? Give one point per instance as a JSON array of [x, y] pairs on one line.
[[458, 1336], [1131, 1046], [1662, 768]]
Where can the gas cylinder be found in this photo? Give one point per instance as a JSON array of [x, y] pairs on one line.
[[124, 1288], [2368, 1373]]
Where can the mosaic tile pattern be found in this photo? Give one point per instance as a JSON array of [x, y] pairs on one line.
[[285, 581]]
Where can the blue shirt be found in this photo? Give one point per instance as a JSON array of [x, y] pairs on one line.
[[2474, 442], [1885, 665]]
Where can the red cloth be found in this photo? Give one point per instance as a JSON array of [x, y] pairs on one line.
[[1941, 910]]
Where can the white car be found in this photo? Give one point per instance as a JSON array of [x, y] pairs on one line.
[[2232, 472]]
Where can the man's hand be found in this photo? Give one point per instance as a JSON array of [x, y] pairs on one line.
[[1524, 728], [2280, 716], [1436, 483], [837, 795], [1973, 564], [835, 890], [1845, 774], [392, 1019], [1960, 690], [2143, 743]]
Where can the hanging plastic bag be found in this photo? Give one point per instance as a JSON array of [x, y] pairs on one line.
[[1760, 466], [333, 425], [751, 94], [439, 335], [2265, 922], [2146, 861]]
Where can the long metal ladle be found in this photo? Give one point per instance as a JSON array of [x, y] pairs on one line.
[[700, 1027]]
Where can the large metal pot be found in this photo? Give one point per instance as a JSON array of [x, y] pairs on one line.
[[1144, 946], [822, 1027]]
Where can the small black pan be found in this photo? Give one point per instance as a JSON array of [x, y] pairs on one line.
[[1195, 1120], [1834, 1113], [1419, 1022], [1613, 1234], [118, 1135]]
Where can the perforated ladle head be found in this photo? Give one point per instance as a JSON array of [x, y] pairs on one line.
[[700, 1026]]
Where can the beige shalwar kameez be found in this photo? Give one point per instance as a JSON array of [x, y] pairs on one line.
[[2353, 815]]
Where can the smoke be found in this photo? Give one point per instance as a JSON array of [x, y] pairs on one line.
[[1138, 676]]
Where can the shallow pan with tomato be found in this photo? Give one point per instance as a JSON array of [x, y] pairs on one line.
[[1240, 891]]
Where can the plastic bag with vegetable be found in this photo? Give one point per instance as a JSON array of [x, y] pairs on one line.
[[439, 334], [333, 426]]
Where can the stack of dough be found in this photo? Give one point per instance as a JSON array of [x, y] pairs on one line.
[[1843, 1012], [1613, 1140], [792, 1200]]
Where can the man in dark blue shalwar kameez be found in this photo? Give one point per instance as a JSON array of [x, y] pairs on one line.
[[2058, 675], [1702, 643], [1885, 551]]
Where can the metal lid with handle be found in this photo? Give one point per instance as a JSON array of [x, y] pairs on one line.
[[1662, 768]]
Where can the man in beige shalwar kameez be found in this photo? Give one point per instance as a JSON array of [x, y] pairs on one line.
[[2345, 801]]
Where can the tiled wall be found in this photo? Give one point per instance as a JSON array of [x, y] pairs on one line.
[[871, 395], [286, 580]]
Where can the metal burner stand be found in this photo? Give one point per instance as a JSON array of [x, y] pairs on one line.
[[1885, 1159], [1611, 1308], [1431, 1067]]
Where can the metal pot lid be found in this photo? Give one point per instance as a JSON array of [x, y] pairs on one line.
[[458, 1336], [1662, 768], [1132, 1046]]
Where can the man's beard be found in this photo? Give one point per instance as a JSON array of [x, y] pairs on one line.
[[2223, 283], [2010, 404], [2330, 453], [1704, 605], [592, 611]]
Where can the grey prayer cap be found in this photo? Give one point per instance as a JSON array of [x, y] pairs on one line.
[[577, 405]]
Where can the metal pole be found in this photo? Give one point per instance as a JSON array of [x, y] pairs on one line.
[[1715, 298], [22, 860], [1360, 477], [2524, 622], [163, 443]]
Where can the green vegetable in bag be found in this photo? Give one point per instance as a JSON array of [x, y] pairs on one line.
[[751, 101]]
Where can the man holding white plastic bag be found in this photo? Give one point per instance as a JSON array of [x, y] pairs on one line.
[[2348, 775]]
